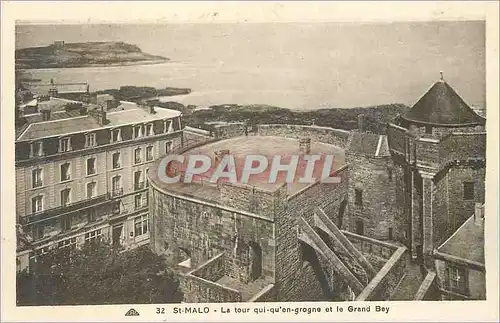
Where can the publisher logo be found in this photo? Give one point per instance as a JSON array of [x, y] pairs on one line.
[[303, 169]]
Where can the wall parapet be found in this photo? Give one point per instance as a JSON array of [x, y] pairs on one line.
[[385, 282], [267, 294], [434, 152], [371, 246], [200, 284], [337, 137]]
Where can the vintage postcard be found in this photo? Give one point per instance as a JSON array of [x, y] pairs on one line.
[[247, 161]]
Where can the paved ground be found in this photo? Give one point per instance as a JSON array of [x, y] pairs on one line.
[[408, 287], [247, 290]]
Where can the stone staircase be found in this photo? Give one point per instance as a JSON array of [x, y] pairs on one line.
[[311, 237]]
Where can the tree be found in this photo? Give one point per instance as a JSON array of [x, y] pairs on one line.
[[98, 274]]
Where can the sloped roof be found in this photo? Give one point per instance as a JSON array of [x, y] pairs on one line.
[[442, 106], [61, 125], [467, 242]]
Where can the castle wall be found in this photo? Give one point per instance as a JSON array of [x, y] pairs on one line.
[[193, 136], [331, 136], [251, 199], [296, 280], [189, 228], [230, 130], [381, 206]]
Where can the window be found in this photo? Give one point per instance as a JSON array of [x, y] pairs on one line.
[[38, 231], [149, 153], [91, 215], [37, 204], [358, 197], [360, 229], [457, 279], [389, 174], [116, 186], [168, 126], [137, 131], [468, 190], [36, 149], [68, 243], [93, 236], [168, 147], [116, 135], [65, 196], [149, 130], [66, 223], [65, 172], [138, 201], [137, 156], [116, 160], [91, 166], [90, 140], [36, 177], [64, 145], [138, 182], [141, 225], [390, 233], [146, 178], [91, 190]]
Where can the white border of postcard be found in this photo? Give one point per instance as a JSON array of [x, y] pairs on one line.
[[247, 12]]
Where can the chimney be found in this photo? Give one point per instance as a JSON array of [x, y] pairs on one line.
[[45, 115], [151, 109], [99, 115], [305, 145], [83, 110], [478, 213], [219, 155], [361, 122]]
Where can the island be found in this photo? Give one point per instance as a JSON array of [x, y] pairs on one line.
[[89, 54]]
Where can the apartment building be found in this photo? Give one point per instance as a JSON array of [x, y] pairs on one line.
[[81, 173]]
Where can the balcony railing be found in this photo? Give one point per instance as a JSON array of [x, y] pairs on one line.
[[68, 208], [117, 192], [138, 185], [37, 184]]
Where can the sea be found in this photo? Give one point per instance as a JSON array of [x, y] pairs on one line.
[[300, 66]]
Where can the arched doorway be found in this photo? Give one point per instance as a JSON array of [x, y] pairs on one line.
[[255, 260]]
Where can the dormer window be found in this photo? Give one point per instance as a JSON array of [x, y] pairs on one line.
[[169, 126], [90, 140], [116, 135], [138, 131], [149, 130], [64, 145], [36, 149]]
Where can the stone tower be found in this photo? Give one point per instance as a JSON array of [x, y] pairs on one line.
[[439, 152]]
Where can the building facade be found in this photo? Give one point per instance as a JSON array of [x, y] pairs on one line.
[[82, 174]]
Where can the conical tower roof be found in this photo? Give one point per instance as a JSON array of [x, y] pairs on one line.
[[442, 106]]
